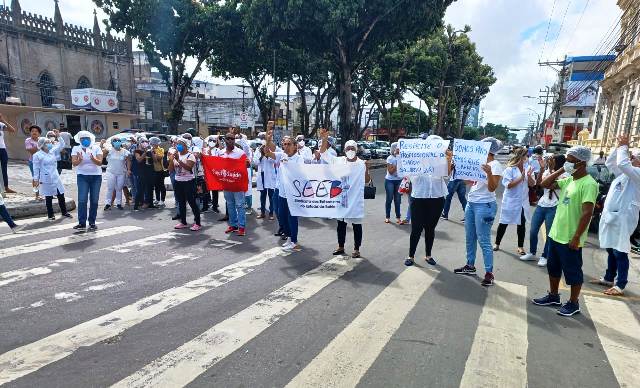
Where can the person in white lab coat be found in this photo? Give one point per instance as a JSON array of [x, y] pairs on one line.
[[515, 200], [266, 180], [303, 150], [46, 177], [620, 215]]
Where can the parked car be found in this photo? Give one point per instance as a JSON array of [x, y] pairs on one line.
[[385, 146], [558, 148], [363, 152], [372, 150], [604, 177], [504, 151]]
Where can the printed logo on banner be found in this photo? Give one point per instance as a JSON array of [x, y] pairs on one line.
[[97, 127], [96, 101], [86, 98], [319, 189], [111, 102], [227, 176]]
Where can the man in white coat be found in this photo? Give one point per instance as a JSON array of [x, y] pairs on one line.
[[620, 215], [265, 180]]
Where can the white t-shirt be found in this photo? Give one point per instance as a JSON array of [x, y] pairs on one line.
[[479, 192], [545, 201], [392, 159], [283, 158], [428, 186], [116, 161], [182, 174], [2, 145], [87, 167], [237, 153]]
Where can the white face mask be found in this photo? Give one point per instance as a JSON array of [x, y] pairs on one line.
[[301, 143], [569, 168], [212, 144], [351, 154], [263, 142]]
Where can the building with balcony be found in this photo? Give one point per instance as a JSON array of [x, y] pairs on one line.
[[618, 102]]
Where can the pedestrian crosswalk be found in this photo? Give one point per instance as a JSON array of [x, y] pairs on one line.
[[498, 355]]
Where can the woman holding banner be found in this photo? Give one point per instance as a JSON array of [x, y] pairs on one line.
[[427, 201], [480, 214], [350, 150], [182, 163], [516, 180]]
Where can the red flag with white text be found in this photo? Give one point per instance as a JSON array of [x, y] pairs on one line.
[[226, 174]]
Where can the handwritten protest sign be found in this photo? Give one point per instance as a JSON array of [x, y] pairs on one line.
[[419, 157], [468, 157]]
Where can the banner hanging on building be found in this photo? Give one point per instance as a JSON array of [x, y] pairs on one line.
[[468, 157], [95, 99], [225, 174], [418, 157], [324, 190]]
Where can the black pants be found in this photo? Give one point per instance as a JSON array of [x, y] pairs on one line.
[[186, 192], [425, 214], [61, 202], [214, 199], [158, 186], [342, 234], [4, 163], [522, 230], [145, 188]]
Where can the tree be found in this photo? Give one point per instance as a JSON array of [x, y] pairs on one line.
[[169, 32], [347, 31], [498, 131], [415, 121]]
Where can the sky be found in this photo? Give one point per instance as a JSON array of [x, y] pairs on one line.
[[511, 35]]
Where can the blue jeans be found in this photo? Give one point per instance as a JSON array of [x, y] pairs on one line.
[[6, 216], [290, 223], [618, 262], [4, 163], [455, 186], [88, 193], [540, 215], [235, 206], [479, 220], [391, 188]]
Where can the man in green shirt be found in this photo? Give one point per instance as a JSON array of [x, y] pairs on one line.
[[577, 197]]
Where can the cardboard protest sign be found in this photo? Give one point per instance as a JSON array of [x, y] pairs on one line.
[[468, 157], [420, 157]]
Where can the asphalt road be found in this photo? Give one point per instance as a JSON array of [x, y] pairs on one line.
[[138, 304]]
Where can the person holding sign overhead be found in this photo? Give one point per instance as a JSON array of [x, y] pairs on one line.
[[517, 179], [87, 158], [481, 212], [427, 201], [350, 150]]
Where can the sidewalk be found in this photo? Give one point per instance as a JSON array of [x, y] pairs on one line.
[[23, 203]]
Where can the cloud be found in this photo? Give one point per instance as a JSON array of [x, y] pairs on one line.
[[510, 35]]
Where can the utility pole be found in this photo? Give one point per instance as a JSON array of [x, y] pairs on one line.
[[274, 84], [562, 73], [243, 86], [287, 116]]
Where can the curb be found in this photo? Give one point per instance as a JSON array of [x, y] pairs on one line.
[[31, 209]]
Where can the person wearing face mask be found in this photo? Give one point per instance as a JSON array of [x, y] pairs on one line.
[[53, 138], [144, 189], [266, 179], [303, 150], [288, 222], [350, 148], [568, 233], [392, 184], [480, 214], [427, 201], [620, 216], [31, 145], [159, 172], [118, 167], [241, 141], [87, 159], [212, 148], [182, 163], [516, 179], [46, 176], [235, 200]]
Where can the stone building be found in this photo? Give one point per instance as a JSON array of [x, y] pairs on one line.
[[618, 103], [43, 58]]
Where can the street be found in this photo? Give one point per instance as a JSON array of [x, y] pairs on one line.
[[139, 304]]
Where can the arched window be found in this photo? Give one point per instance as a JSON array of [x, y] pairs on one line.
[[47, 86], [84, 83], [5, 85]]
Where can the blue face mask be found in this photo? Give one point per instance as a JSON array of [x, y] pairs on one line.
[[117, 145], [48, 146], [180, 148], [85, 142]]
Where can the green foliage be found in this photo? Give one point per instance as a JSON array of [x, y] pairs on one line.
[[415, 121], [499, 131]]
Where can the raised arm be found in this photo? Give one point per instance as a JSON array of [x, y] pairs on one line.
[[624, 163], [270, 147], [612, 161], [8, 126]]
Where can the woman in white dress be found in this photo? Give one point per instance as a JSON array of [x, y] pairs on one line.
[[516, 180], [350, 150], [46, 177]]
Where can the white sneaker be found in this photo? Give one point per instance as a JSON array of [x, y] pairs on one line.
[[161, 203], [528, 257], [542, 262], [289, 246], [17, 228], [286, 244]]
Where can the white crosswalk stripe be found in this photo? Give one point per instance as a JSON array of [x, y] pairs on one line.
[[184, 364], [498, 356], [29, 358], [38, 231], [42, 245], [619, 333], [348, 357]]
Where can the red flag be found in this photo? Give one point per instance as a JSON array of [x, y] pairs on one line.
[[225, 174]]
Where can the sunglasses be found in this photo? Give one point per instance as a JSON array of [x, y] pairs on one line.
[[230, 138]]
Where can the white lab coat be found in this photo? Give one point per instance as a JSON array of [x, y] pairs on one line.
[[514, 200], [45, 171], [622, 206], [266, 166]]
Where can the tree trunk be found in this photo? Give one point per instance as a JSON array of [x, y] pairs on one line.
[[442, 110], [346, 103]]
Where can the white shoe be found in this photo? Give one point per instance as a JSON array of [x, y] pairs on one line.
[[286, 244], [161, 203], [17, 228], [542, 262], [289, 246], [528, 257]]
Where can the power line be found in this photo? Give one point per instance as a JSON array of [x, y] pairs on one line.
[[546, 35], [564, 17], [573, 33]]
